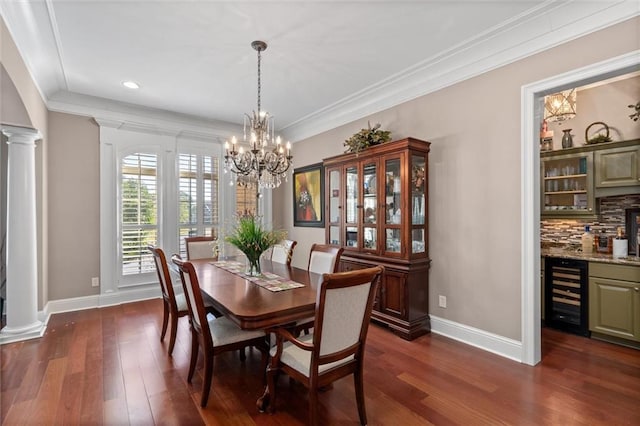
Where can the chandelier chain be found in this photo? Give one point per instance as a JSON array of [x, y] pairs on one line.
[[259, 82]]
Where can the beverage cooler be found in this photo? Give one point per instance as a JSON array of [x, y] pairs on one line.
[[566, 293]]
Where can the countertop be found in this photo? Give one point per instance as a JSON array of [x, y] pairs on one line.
[[572, 253]]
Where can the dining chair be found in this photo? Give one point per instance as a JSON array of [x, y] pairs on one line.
[[175, 305], [215, 335], [201, 247], [283, 252], [335, 349], [324, 258]]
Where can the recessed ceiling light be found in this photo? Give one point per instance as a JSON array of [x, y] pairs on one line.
[[131, 84]]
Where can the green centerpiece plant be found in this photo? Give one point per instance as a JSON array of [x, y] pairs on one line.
[[366, 138], [251, 238]]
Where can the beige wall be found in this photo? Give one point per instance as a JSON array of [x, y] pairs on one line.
[[474, 178], [36, 110], [74, 207]]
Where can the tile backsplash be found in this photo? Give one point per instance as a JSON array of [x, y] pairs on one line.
[[569, 231]]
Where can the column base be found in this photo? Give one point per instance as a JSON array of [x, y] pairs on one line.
[[17, 334]]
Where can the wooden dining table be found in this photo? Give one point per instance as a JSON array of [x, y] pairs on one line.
[[253, 307]]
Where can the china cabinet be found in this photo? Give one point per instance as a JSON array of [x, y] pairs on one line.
[[377, 209]]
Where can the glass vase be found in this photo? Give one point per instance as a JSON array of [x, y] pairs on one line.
[[253, 267], [567, 139]]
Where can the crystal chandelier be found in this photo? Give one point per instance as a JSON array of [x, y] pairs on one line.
[[265, 161]]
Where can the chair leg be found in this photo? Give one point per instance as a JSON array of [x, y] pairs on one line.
[[194, 356], [313, 405], [272, 374], [165, 319], [359, 386], [243, 354], [174, 332], [208, 374]]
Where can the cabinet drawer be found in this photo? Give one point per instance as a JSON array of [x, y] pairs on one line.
[[614, 272]]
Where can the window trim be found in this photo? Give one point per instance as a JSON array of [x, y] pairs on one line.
[[118, 137]]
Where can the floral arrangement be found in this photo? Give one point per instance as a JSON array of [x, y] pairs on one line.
[[252, 239], [366, 138]]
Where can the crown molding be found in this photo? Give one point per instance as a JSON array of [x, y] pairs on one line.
[[552, 23], [119, 115], [557, 23]]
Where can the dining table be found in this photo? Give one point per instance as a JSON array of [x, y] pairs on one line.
[[255, 307]]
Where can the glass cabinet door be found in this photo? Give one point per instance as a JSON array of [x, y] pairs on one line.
[[418, 200], [567, 185], [393, 202], [334, 207], [351, 213], [370, 206]]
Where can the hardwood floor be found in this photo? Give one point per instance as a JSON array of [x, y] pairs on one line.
[[107, 366]]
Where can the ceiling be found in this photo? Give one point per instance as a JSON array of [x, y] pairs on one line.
[[327, 62]]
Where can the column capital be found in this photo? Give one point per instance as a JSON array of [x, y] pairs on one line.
[[20, 134]]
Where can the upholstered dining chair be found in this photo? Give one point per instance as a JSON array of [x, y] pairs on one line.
[[201, 247], [335, 349], [283, 252], [175, 305], [215, 335], [324, 258]]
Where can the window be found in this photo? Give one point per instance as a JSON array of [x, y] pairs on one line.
[[157, 188], [198, 211], [246, 201], [138, 212]]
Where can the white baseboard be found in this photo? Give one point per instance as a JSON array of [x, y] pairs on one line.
[[490, 342], [97, 301]]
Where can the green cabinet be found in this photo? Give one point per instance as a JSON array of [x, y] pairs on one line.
[[618, 167], [614, 300], [572, 179], [567, 185]]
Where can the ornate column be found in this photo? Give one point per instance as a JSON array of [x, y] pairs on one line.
[[22, 262]]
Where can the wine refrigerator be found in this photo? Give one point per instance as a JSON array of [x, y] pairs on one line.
[[566, 293]]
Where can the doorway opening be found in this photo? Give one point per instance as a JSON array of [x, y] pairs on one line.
[[532, 113]]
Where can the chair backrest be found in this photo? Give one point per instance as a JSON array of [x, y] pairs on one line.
[[324, 259], [343, 310], [163, 275], [201, 247], [195, 304], [283, 252]]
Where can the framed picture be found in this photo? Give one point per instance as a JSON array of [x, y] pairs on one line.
[[633, 224], [308, 196]]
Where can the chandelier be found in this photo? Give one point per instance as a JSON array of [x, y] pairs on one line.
[[560, 106], [265, 161]]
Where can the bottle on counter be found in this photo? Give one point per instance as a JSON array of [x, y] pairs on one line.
[[620, 244], [602, 242], [587, 240]]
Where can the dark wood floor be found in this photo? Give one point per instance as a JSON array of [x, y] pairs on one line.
[[107, 366]]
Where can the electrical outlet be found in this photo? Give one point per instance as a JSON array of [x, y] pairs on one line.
[[442, 301], [95, 282]]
